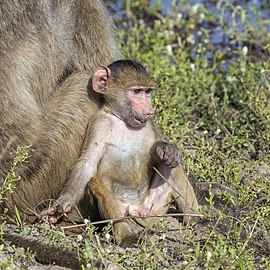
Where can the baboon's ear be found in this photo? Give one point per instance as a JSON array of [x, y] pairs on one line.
[[100, 79]]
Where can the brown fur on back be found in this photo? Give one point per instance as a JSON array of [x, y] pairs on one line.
[[45, 48]]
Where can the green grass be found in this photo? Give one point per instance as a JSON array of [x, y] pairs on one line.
[[217, 110]]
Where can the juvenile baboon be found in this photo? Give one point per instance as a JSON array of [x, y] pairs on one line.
[[45, 48], [120, 152]]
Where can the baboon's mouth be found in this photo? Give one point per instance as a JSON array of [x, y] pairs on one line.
[[137, 122]]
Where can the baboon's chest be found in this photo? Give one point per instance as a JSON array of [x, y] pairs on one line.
[[126, 157]]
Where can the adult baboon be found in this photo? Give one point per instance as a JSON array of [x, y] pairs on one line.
[[45, 49]]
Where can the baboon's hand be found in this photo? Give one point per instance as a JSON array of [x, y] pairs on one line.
[[168, 153], [53, 214]]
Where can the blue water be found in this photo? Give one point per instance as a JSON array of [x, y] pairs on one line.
[[255, 10]]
